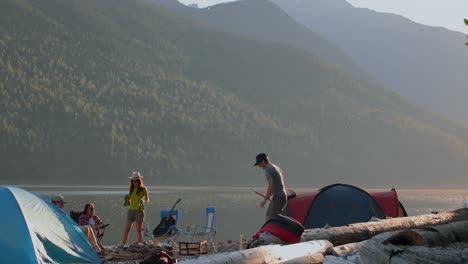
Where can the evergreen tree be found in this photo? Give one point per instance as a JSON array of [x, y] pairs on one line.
[[466, 23]]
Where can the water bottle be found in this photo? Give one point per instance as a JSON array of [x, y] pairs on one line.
[[146, 230], [127, 200]]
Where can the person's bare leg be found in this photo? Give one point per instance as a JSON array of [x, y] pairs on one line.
[[138, 230], [91, 236], [128, 226]]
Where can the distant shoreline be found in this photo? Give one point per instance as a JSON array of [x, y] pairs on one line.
[[214, 188]]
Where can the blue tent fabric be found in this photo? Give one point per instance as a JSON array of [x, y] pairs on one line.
[[34, 230]]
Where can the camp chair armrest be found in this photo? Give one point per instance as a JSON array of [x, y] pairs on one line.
[[102, 226], [195, 226], [198, 229], [174, 228]]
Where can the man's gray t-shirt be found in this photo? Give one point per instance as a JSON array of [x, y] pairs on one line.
[[278, 182]]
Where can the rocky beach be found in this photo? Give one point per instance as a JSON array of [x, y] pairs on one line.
[[137, 253]]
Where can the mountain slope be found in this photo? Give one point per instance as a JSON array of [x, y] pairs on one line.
[[85, 95], [91, 91], [264, 21], [424, 64]]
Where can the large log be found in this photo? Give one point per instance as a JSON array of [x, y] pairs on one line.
[[425, 255], [436, 236], [305, 252], [373, 251], [363, 231], [376, 244], [392, 247]]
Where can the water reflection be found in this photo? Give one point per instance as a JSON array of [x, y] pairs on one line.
[[237, 208]]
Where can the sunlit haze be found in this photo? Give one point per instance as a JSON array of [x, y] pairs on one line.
[[448, 14]]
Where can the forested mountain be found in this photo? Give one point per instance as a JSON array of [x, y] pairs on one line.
[[425, 64], [91, 90], [264, 21]]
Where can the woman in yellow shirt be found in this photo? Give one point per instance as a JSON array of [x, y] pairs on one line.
[[138, 194]]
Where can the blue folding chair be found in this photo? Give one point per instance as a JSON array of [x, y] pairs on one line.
[[201, 233], [167, 232]]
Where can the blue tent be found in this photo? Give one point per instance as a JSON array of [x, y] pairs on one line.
[[33, 230]]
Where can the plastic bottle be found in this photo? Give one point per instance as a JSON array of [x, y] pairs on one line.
[[127, 200], [146, 230]]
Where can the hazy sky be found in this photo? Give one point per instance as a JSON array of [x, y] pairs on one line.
[[444, 13]]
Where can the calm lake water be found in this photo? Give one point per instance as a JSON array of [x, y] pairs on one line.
[[237, 209]]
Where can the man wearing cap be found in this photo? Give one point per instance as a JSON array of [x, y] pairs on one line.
[[58, 201], [276, 191]]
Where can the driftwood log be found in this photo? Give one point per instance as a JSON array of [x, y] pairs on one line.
[[363, 231], [305, 252], [424, 255], [436, 236], [378, 241], [373, 251], [410, 246], [377, 253]]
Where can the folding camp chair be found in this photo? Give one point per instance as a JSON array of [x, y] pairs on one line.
[[201, 233], [168, 233], [75, 215]]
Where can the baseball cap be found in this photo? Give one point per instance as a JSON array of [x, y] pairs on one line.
[[259, 158], [57, 198]]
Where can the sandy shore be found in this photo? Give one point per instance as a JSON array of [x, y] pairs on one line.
[[137, 253]]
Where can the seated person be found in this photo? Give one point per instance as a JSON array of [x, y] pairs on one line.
[[88, 217], [58, 201], [89, 232]]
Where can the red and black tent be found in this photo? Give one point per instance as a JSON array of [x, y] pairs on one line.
[[342, 204]]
